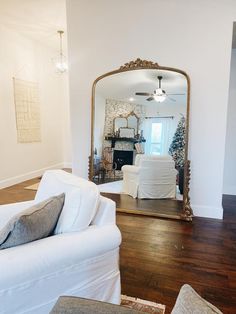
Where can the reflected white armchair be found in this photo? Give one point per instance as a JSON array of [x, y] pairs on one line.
[[151, 177]]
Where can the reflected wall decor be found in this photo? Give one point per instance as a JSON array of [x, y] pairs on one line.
[[27, 108]]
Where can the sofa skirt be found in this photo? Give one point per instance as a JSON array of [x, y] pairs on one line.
[[97, 278]]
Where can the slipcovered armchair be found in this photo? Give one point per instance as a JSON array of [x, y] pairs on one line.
[[151, 177]]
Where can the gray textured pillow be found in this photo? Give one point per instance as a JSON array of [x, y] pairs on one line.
[[32, 224], [189, 302]]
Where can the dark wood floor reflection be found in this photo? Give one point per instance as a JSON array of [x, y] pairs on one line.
[[152, 206], [159, 255]]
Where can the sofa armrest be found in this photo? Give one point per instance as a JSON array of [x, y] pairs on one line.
[[9, 210], [106, 212], [52, 262], [131, 169]]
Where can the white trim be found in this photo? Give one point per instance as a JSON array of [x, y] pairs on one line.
[[207, 211], [30, 175]]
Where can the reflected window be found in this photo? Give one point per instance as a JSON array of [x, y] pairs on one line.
[[158, 133], [156, 136]]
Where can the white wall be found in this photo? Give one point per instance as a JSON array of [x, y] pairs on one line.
[[27, 59], [230, 145], [191, 35]]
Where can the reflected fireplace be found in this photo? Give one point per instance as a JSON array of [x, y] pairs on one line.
[[121, 158]]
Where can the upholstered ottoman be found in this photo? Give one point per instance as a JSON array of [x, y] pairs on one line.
[[75, 305]]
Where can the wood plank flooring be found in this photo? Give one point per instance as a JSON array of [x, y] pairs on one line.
[[126, 203], [159, 255], [17, 193]]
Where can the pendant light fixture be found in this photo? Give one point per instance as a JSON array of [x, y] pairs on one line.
[[61, 64]]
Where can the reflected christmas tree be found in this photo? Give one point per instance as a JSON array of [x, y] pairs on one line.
[[176, 149]]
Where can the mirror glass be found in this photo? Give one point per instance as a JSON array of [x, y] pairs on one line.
[[153, 102], [120, 123], [133, 122]]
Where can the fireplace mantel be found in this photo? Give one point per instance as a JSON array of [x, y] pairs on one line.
[[113, 140]]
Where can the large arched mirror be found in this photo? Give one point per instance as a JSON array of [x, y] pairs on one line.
[[139, 142]]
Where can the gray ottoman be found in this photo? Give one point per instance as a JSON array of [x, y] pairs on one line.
[[75, 305]]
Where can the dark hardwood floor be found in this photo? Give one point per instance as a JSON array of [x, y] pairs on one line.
[[124, 203], [159, 255]]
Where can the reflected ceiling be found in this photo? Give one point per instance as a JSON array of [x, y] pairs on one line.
[[124, 85]]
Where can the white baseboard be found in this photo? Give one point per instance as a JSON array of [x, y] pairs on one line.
[[207, 211], [30, 175]]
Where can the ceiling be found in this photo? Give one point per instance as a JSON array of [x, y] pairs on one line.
[[124, 85], [36, 19]]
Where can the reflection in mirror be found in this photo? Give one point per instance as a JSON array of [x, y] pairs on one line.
[[133, 122], [127, 133], [120, 122], [154, 104]]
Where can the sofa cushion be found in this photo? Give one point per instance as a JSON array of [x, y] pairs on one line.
[[31, 224], [189, 302], [81, 199]]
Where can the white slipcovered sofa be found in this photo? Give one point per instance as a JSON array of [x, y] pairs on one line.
[[151, 177], [80, 259]]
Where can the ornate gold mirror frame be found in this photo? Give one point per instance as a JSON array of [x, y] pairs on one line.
[[130, 115], [139, 64]]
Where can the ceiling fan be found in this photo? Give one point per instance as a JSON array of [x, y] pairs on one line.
[[159, 94]]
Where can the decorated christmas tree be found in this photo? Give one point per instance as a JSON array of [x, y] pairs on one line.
[[176, 149]]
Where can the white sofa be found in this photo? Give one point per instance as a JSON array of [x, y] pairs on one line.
[[81, 263], [151, 177]]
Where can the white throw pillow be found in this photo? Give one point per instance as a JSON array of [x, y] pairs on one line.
[[81, 199]]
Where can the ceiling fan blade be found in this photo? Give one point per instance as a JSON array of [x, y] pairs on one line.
[[170, 98], [143, 94], [150, 98], [175, 94]]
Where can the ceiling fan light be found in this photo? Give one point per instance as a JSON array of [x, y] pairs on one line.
[[159, 95], [160, 98], [159, 91]]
